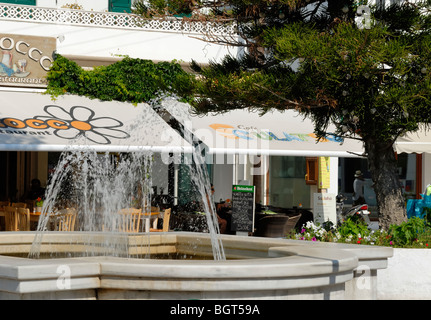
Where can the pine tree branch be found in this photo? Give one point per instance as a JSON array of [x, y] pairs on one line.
[[297, 105]]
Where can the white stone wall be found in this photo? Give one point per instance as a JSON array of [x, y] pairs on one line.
[[408, 276]]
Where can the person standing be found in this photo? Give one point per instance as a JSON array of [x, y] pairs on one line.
[[358, 189]]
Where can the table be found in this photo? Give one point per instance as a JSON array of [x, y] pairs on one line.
[[34, 216], [148, 218]]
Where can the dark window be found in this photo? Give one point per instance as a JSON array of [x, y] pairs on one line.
[[120, 5], [25, 2]]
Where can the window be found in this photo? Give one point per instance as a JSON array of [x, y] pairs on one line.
[[411, 181], [312, 170], [346, 176], [409, 173], [120, 5], [25, 2], [287, 186]]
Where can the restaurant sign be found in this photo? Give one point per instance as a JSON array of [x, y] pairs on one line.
[[243, 198], [25, 60]]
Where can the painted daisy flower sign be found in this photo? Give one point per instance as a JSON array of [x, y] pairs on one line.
[[83, 121], [34, 122]]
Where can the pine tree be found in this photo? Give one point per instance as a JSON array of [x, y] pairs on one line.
[[366, 68]]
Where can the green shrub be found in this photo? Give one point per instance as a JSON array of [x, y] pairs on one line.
[[415, 233], [132, 80]]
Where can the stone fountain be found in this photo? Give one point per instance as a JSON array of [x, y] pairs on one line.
[[180, 265], [92, 263]]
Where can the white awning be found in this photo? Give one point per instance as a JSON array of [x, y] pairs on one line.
[[275, 133], [34, 122], [414, 142]]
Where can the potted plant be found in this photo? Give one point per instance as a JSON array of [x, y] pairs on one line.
[[39, 204]]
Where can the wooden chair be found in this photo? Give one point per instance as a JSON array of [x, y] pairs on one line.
[[129, 220], [4, 204], [64, 220], [11, 218], [166, 220], [23, 219], [19, 204]]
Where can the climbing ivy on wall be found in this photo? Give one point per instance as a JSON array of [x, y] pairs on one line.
[[132, 80]]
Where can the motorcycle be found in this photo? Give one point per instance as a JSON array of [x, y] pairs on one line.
[[361, 210]]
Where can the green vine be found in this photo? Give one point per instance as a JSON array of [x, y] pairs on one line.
[[132, 80]]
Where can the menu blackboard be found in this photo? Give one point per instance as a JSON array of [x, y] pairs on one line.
[[242, 208]]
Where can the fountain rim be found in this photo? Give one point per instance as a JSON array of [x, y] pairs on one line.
[[289, 265], [280, 252]]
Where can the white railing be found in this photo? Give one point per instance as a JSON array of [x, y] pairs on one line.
[[110, 20]]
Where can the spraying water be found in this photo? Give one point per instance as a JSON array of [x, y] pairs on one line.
[[99, 185], [178, 117]]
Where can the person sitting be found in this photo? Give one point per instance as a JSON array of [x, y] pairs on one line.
[[36, 190], [224, 212], [222, 223]]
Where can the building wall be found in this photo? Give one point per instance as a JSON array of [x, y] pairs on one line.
[[88, 5], [223, 173], [95, 34]]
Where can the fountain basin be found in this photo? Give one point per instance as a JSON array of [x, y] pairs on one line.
[[256, 268]]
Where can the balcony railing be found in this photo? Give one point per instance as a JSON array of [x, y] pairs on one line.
[[110, 20]]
